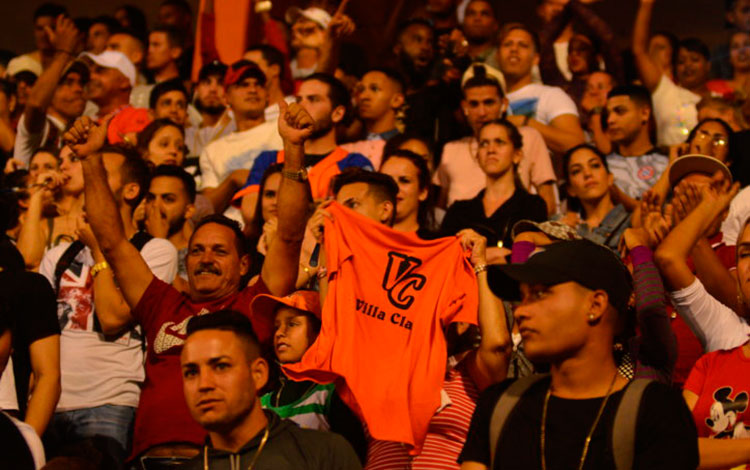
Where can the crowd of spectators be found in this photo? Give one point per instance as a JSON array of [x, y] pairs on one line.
[[491, 245]]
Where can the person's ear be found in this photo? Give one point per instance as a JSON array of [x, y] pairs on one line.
[[610, 179], [130, 191], [189, 211], [244, 264], [465, 107], [397, 100], [504, 106], [387, 210], [597, 306], [517, 156], [137, 57], [273, 72], [259, 372], [338, 113], [175, 53]]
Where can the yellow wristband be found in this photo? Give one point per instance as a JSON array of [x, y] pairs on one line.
[[98, 267]]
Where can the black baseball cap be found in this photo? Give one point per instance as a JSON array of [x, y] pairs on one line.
[[587, 263], [214, 68]]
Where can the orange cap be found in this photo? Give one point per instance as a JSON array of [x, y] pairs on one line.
[[306, 300]]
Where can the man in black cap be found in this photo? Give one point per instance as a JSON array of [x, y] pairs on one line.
[[222, 371], [584, 414], [210, 101]]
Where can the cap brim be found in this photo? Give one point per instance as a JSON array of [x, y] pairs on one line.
[[504, 280], [696, 163], [292, 14]]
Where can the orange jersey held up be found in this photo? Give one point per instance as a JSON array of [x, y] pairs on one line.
[[390, 296]]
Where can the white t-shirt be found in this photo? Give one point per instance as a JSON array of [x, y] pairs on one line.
[[459, 172], [98, 370], [197, 138], [739, 212], [714, 324], [32, 441], [27, 143], [541, 102], [272, 110], [674, 111], [636, 175], [8, 399], [235, 151]]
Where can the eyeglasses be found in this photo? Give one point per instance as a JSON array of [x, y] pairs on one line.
[[716, 139]]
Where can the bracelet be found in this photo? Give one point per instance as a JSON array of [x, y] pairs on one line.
[[98, 267], [480, 268], [322, 272], [263, 6]]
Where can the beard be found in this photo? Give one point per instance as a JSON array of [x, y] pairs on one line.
[[175, 226], [321, 128], [213, 110]]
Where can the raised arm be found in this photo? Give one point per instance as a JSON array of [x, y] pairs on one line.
[[280, 267], [657, 348], [671, 256], [489, 363], [328, 54], [86, 137], [64, 39], [607, 38], [562, 133], [647, 68]]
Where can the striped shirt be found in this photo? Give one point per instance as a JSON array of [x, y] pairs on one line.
[[310, 411], [445, 436]]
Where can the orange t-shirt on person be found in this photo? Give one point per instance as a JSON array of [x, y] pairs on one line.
[[390, 295]]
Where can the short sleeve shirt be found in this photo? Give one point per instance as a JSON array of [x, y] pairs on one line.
[[541, 102], [636, 175], [163, 313]]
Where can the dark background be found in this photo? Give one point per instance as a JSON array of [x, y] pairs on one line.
[[701, 18]]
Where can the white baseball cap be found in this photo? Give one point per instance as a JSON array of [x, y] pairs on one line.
[[114, 60], [314, 14], [23, 63]]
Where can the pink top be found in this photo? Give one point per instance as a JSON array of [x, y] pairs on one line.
[[460, 175]]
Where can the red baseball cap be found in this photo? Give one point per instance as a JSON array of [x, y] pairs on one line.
[[242, 70]]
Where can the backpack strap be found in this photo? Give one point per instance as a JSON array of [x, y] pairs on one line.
[[505, 406], [65, 261], [140, 239], [626, 417]]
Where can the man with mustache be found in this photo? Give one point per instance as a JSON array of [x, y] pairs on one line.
[[216, 263]]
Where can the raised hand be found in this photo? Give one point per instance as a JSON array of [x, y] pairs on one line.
[[656, 222], [86, 137], [65, 36], [476, 243], [295, 124]]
